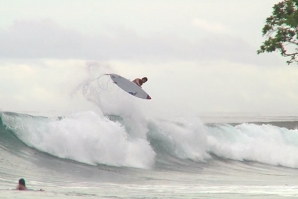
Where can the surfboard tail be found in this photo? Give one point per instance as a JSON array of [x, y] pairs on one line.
[[148, 97]]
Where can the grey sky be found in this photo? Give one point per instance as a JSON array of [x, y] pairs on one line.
[[204, 50]]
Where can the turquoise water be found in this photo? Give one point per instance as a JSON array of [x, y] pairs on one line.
[[173, 159]]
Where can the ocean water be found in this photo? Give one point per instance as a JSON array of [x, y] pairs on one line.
[[94, 155], [120, 150]]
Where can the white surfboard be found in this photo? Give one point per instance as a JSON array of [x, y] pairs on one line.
[[129, 86]]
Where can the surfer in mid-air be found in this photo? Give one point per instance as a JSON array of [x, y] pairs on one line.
[[139, 81], [132, 87]]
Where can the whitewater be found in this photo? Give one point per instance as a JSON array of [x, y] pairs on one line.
[[119, 150]]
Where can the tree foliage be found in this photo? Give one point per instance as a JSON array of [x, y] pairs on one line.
[[281, 31]]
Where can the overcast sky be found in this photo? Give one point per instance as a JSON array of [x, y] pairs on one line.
[[199, 55]]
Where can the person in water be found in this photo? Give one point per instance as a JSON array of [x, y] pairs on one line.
[[21, 185], [139, 81]]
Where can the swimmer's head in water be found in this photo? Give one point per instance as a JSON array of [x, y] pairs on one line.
[[22, 182]]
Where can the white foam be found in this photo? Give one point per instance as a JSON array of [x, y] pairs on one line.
[[87, 137], [262, 143]]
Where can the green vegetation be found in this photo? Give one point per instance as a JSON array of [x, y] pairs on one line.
[[281, 31]]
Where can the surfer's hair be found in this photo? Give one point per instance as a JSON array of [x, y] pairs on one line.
[[22, 182], [145, 78]]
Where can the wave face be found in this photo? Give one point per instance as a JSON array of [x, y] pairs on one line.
[[119, 140]]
